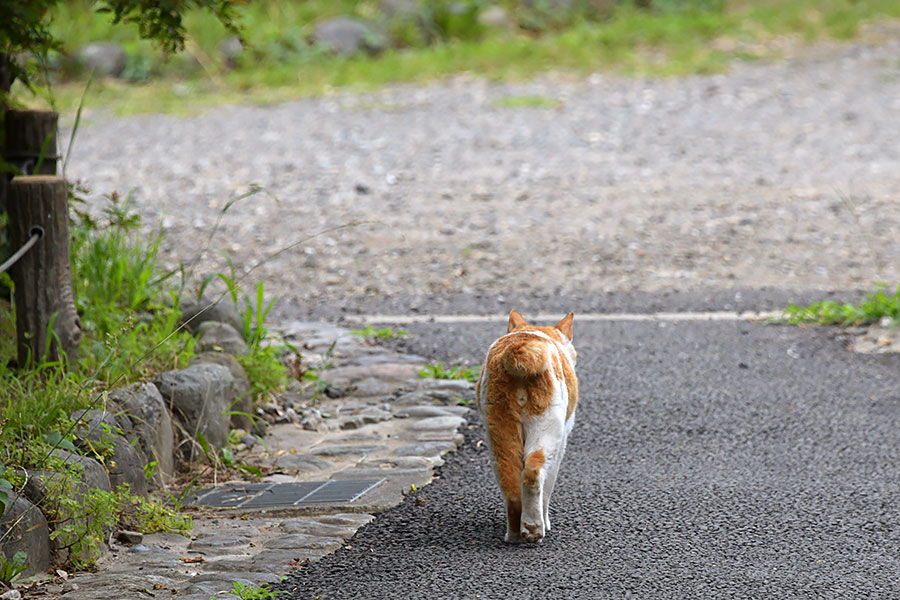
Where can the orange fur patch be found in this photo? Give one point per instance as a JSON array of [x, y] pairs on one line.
[[533, 464]]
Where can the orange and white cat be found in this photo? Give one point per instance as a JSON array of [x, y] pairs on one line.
[[527, 393]]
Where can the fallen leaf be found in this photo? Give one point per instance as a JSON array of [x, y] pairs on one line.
[[193, 559]]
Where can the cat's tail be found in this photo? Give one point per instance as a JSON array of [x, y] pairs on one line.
[[526, 359]]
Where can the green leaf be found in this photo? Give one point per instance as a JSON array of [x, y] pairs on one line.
[[252, 469], [56, 439], [227, 457]]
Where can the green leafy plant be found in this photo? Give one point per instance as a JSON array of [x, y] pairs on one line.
[[6, 489], [11, 569], [383, 333], [438, 371], [875, 306], [252, 592], [148, 515]]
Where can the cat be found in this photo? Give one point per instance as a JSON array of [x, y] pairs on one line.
[[527, 392]]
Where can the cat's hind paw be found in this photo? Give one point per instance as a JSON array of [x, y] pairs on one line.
[[532, 533]]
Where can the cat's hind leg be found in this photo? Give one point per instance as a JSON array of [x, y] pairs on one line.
[[505, 440]]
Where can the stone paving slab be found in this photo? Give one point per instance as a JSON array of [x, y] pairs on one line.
[[387, 426]]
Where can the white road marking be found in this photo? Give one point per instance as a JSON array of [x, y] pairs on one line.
[[658, 316]]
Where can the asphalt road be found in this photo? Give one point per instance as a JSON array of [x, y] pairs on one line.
[[708, 460]]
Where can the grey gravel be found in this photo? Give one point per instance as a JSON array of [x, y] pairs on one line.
[[779, 174]]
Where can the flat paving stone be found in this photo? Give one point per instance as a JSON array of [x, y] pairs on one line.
[[448, 422], [418, 461], [348, 450], [431, 396], [425, 449], [378, 359], [302, 462], [302, 540], [220, 541], [311, 527], [281, 559], [423, 411], [440, 436], [352, 474], [348, 519]]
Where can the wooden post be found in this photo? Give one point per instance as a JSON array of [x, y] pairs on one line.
[[28, 133], [5, 84], [43, 277]]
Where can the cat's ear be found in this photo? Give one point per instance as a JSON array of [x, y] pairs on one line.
[[515, 321], [566, 325]]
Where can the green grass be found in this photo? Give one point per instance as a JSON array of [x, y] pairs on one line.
[[439, 371], [874, 307], [382, 333], [526, 102], [675, 38]]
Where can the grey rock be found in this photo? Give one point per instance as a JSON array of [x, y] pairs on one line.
[[93, 474], [302, 540], [420, 412], [151, 422], [242, 408], [106, 59], [347, 36], [99, 431], [194, 313], [346, 519], [425, 449], [25, 529], [431, 423], [199, 396], [433, 396], [392, 373], [372, 386], [231, 49], [11, 595], [217, 542], [218, 336], [367, 360], [251, 577], [302, 462], [399, 462], [494, 16], [440, 436], [459, 387], [345, 450], [284, 559], [130, 537], [400, 8], [316, 528], [423, 474], [311, 418]]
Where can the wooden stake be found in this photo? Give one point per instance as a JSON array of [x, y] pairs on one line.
[[43, 277]]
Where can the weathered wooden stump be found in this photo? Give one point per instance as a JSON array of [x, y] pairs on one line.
[[43, 276], [30, 143]]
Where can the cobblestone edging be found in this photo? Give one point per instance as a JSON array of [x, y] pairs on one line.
[[383, 422]]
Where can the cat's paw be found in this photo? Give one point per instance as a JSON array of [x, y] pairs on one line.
[[532, 533], [512, 537]]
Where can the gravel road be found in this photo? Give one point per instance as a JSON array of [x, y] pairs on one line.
[[779, 174], [708, 460]]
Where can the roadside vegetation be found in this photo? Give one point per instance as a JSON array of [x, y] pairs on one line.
[[503, 40], [131, 322], [876, 306]]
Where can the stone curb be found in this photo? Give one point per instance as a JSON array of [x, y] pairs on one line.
[[384, 423]]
